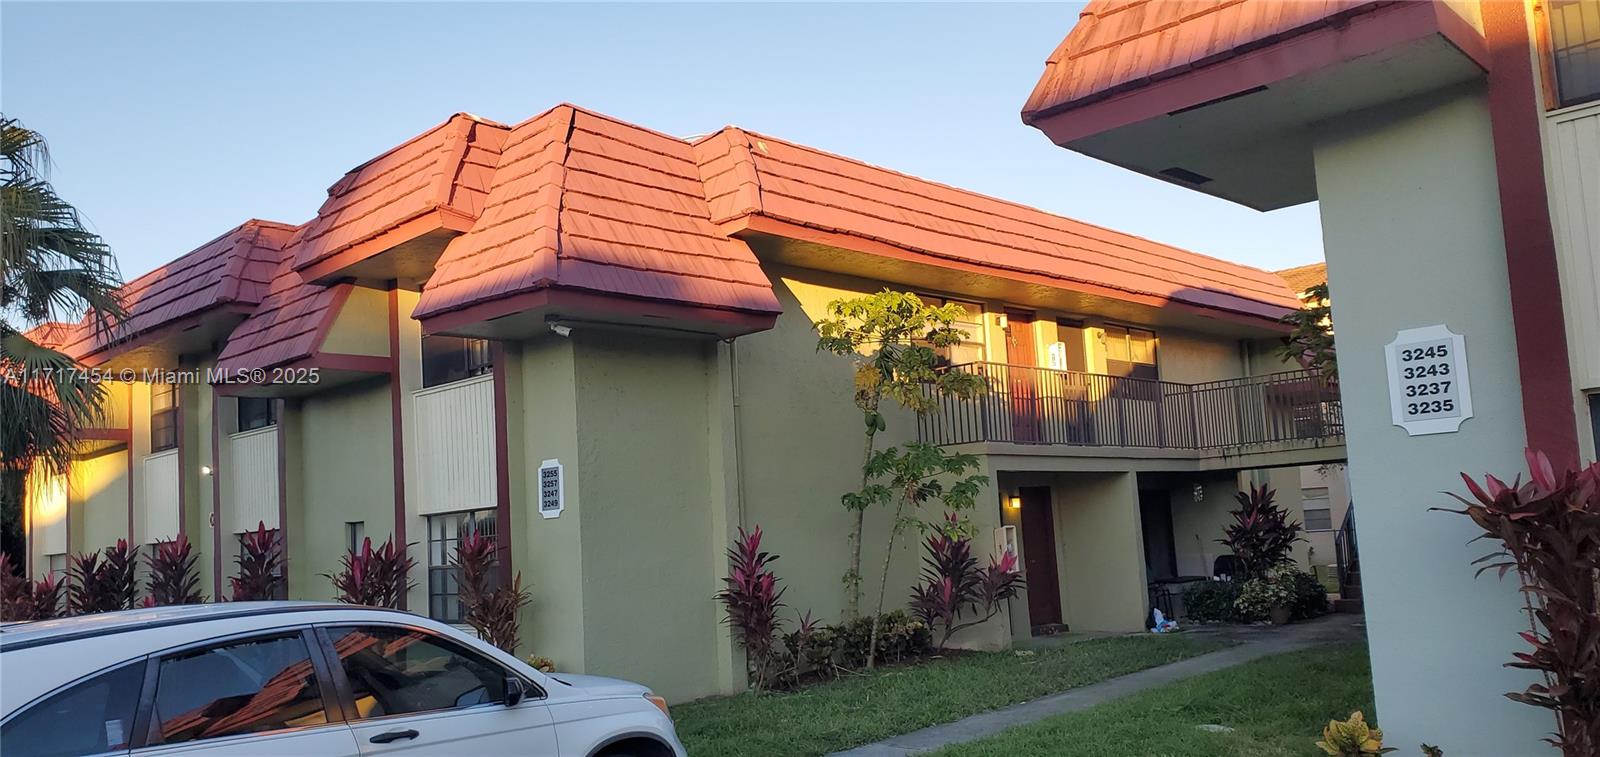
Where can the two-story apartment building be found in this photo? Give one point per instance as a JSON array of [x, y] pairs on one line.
[[1454, 148], [596, 342]]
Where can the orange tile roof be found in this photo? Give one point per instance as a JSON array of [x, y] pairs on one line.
[[584, 202], [447, 169], [290, 322], [233, 269], [755, 174], [1123, 44], [1301, 278]]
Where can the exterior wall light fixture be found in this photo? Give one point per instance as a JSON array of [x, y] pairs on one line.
[[1015, 502]]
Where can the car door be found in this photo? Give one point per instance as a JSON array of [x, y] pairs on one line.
[[261, 694], [408, 690]]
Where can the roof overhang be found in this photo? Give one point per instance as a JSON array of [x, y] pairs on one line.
[[1241, 128], [405, 254], [160, 348], [314, 374], [789, 244], [532, 314]]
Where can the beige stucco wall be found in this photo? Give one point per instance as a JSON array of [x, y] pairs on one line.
[[1100, 551], [1411, 222], [802, 443], [99, 498], [362, 325], [1189, 358], [649, 559], [345, 466]]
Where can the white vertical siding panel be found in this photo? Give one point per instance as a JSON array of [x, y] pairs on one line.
[[454, 434], [252, 480], [160, 478], [1574, 145]]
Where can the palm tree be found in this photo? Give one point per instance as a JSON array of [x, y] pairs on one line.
[[51, 270]]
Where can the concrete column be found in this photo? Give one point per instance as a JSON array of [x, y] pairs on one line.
[[1411, 224], [1100, 551]]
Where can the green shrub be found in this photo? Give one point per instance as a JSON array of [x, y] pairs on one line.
[[1309, 596], [1212, 602], [1258, 596], [900, 637]]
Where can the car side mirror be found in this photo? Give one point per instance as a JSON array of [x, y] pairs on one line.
[[514, 691]]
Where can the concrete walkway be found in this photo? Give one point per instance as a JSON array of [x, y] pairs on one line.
[[1253, 643]]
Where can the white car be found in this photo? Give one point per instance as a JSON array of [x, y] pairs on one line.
[[302, 679]]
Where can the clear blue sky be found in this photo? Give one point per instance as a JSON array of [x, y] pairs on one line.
[[170, 124]]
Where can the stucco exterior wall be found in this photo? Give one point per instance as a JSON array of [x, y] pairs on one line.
[[549, 552], [1197, 525], [1100, 551], [1189, 358], [99, 494], [1411, 221], [361, 327], [649, 561], [802, 440], [346, 474]]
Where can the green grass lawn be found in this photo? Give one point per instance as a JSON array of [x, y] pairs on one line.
[[861, 709], [1277, 706]]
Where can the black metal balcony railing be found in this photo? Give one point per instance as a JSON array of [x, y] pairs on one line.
[[1030, 405]]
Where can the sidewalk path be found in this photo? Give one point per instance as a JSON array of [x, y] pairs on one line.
[[1253, 643]]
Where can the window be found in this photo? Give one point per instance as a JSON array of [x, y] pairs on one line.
[[1594, 417], [1575, 49], [444, 533], [453, 358], [399, 671], [262, 684], [163, 417], [238, 549], [970, 349], [257, 412], [1070, 355], [1314, 501], [1131, 353], [90, 717], [355, 532]]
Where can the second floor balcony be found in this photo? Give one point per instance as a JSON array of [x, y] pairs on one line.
[[1043, 406]]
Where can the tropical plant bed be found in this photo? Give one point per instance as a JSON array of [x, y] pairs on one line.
[[1272, 707], [861, 708]]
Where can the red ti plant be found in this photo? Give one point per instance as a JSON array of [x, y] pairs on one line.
[[21, 599], [955, 586], [1549, 533], [491, 610], [1261, 535], [103, 585], [752, 599], [260, 564], [42, 603], [374, 577], [15, 591], [173, 578]]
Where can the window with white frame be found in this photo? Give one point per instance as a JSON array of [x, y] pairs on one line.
[[1575, 49], [970, 348], [444, 578], [1318, 511]]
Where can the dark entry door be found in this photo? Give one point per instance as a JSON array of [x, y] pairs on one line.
[[1021, 357], [1039, 556], [1155, 520]]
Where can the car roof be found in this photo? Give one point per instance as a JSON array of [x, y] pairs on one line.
[[35, 633]]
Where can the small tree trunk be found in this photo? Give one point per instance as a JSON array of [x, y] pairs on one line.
[[852, 577], [883, 584]]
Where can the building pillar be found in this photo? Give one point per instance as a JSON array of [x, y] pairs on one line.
[[1100, 551]]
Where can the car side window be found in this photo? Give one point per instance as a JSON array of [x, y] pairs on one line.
[[259, 684], [89, 717], [396, 671]]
